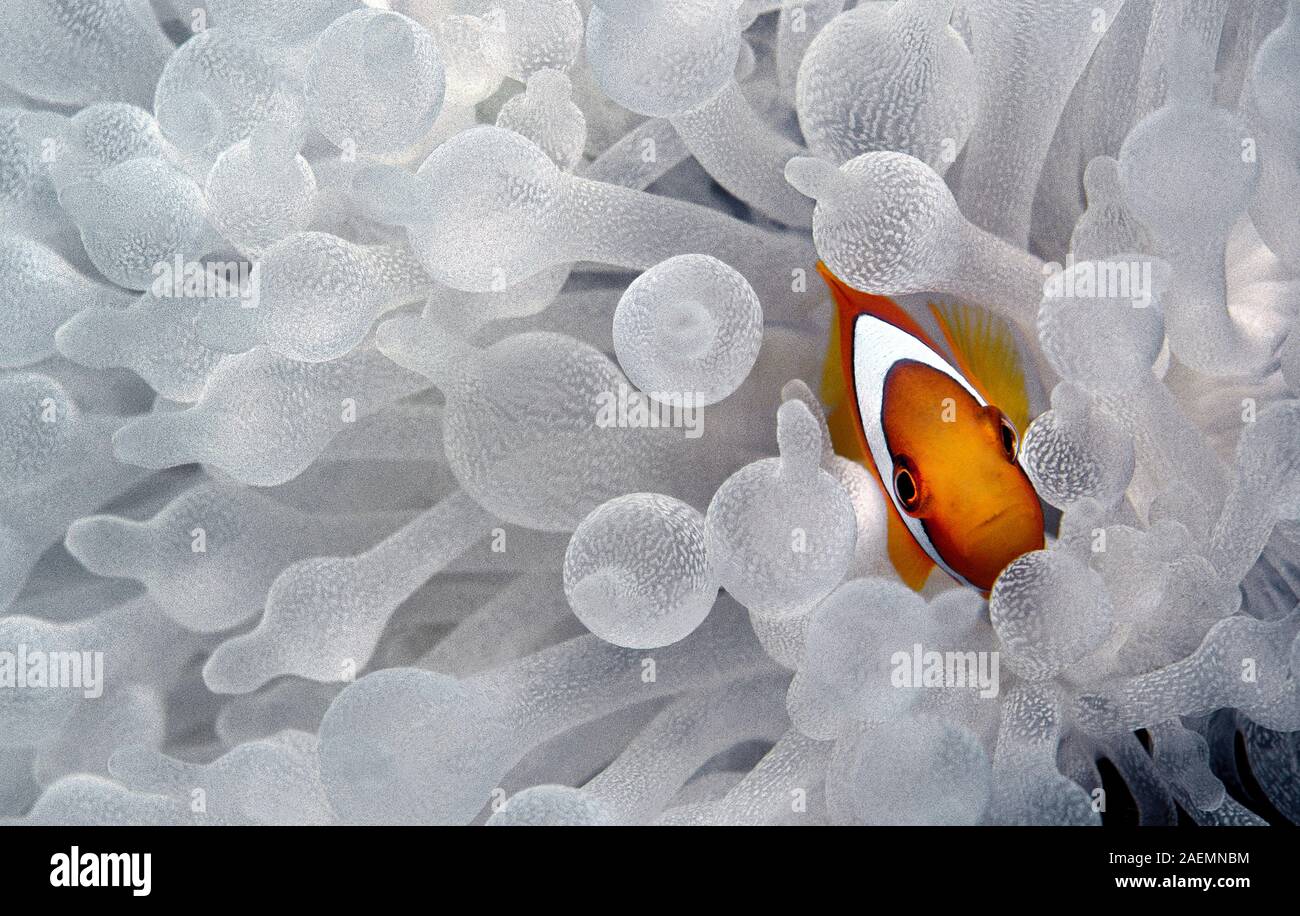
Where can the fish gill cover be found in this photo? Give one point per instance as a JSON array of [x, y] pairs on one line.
[[416, 414]]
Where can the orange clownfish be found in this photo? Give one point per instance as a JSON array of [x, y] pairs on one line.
[[942, 439]]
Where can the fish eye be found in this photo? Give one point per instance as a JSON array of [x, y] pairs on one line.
[[909, 494], [1009, 438]]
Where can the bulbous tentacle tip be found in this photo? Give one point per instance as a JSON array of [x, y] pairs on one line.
[[813, 177], [931, 14], [386, 38], [85, 201], [550, 84], [799, 438]]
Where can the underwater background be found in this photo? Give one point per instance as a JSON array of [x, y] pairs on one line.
[[420, 412]]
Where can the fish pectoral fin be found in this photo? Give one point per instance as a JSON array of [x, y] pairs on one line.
[[911, 562], [985, 348]]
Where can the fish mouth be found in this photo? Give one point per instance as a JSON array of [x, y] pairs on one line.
[[1006, 535], [998, 540], [991, 520]]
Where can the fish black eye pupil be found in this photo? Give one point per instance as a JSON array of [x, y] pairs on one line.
[[1009, 439], [905, 487]]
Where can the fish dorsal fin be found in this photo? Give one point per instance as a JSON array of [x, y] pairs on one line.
[[850, 303], [835, 388], [985, 350], [841, 417]]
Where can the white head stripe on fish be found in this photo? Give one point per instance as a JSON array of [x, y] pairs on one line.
[[877, 347]]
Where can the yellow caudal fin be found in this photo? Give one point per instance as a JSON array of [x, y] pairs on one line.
[[985, 350], [912, 563]]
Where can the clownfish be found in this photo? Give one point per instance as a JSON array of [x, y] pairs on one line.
[[939, 427]]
